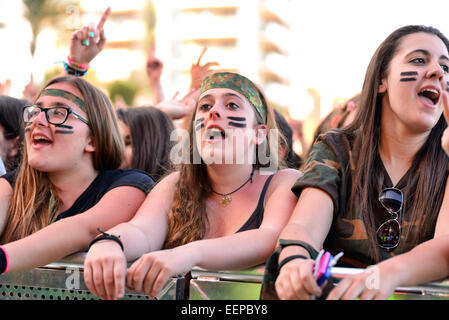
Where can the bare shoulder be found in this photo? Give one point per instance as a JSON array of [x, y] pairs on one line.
[[284, 180], [165, 186], [286, 176], [169, 180]]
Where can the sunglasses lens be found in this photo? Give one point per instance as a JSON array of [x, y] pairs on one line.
[[391, 199], [388, 234]]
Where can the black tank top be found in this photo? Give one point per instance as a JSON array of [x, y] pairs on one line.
[[255, 220]]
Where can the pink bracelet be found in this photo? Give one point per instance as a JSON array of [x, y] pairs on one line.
[[76, 64]]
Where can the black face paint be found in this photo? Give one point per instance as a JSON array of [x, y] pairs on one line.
[[238, 122], [237, 118], [64, 131], [27, 129], [447, 88], [199, 124], [406, 76], [63, 126]]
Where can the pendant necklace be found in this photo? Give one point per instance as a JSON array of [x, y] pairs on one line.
[[226, 197]]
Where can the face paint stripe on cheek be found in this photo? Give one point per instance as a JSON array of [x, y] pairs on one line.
[[407, 75], [64, 132], [237, 118], [63, 126], [199, 124], [237, 124]]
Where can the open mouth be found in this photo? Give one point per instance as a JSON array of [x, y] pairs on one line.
[[40, 140], [214, 134], [430, 95]]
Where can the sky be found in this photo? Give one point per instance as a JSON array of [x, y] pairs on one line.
[[330, 43]]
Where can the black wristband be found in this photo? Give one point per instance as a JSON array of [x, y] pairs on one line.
[[285, 243], [74, 72], [290, 258], [106, 236]]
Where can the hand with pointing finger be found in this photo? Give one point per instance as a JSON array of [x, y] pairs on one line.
[[199, 72], [87, 42]]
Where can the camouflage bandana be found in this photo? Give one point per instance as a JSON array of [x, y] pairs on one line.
[[63, 94], [239, 84]]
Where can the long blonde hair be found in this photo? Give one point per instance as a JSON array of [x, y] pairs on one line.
[[28, 210]]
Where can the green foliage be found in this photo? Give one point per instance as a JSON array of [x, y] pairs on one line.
[[42, 12], [125, 89]]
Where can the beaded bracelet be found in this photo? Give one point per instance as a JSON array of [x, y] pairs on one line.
[[74, 72], [73, 63]]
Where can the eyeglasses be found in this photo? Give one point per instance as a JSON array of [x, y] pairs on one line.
[[54, 115], [389, 233]]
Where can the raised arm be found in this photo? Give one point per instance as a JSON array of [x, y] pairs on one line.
[[87, 43]]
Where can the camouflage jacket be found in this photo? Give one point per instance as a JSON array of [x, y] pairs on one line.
[[328, 169]]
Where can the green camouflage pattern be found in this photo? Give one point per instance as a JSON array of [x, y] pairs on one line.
[[328, 169], [63, 94], [239, 84]]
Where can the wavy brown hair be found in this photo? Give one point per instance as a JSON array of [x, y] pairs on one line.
[[28, 210], [188, 217], [430, 160]]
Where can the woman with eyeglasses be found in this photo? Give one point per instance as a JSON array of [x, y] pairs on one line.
[[378, 187], [68, 186]]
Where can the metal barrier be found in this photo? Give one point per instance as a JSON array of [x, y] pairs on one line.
[[63, 280], [245, 285]]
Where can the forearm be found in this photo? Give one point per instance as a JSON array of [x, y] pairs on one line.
[[157, 92], [134, 240], [295, 231], [238, 251], [425, 263], [47, 245]]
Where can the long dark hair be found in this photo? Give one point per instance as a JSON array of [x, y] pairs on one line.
[[150, 134], [12, 123], [430, 160]]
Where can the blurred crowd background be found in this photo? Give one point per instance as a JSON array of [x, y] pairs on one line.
[[308, 56]]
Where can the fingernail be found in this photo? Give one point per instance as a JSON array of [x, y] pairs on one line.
[[91, 34], [86, 42]]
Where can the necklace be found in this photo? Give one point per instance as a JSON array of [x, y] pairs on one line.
[[226, 197]]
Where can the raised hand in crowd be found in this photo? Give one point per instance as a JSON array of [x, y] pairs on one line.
[[30, 90], [178, 109], [154, 71], [199, 72], [87, 42], [4, 87]]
